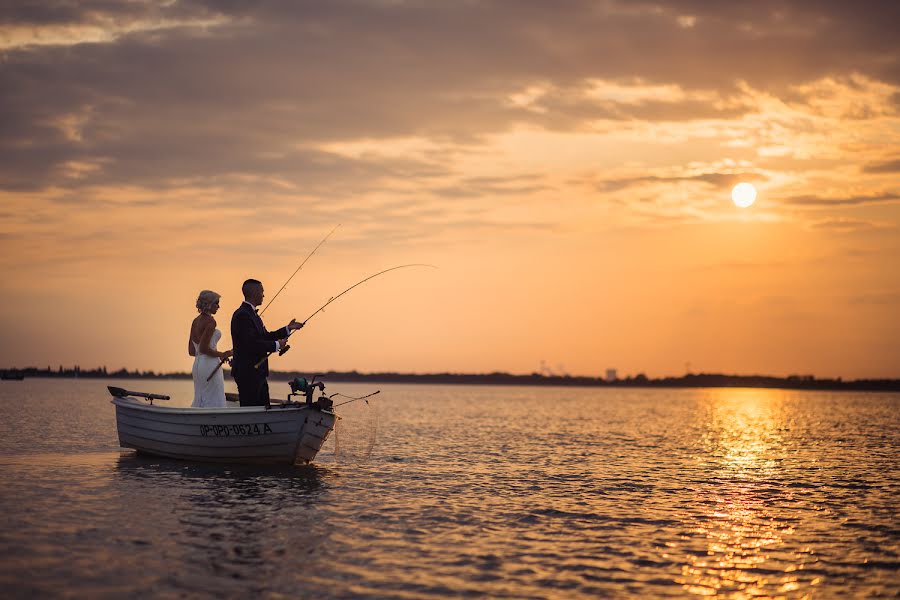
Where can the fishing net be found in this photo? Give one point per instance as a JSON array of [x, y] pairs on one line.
[[356, 430]]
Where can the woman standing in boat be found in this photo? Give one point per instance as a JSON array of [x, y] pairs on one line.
[[202, 346]]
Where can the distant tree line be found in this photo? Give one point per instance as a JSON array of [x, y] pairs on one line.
[[639, 380], [698, 380], [97, 373]]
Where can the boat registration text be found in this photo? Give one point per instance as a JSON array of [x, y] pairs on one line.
[[229, 430]]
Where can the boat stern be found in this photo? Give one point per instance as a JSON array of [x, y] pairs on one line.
[[317, 426]]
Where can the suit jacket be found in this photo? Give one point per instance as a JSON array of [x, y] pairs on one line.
[[251, 343]]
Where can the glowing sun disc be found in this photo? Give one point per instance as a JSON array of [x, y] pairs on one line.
[[743, 194]]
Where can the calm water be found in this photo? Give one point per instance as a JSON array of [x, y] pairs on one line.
[[467, 491]]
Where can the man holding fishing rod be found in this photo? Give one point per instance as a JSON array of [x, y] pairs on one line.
[[252, 345]]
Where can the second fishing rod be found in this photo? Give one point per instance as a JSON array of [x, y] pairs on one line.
[[332, 299]]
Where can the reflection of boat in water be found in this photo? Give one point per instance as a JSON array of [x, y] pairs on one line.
[[12, 375], [286, 432]]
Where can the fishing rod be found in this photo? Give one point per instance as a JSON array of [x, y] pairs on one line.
[[298, 269], [333, 298], [308, 256]]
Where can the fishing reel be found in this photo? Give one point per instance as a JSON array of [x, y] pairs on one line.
[[288, 346], [300, 386]]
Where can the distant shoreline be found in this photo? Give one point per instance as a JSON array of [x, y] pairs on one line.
[[700, 380]]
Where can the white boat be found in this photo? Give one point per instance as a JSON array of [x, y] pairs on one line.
[[284, 433]]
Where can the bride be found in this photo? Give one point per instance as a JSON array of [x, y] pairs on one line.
[[202, 346]]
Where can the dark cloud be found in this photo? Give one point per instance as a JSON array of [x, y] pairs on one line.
[[472, 187], [96, 12], [859, 30], [716, 180], [573, 109], [842, 225], [877, 299], [260, 90], [819, 201], [891, 166]]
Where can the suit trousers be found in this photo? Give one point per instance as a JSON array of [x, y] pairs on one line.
[[253, 391]]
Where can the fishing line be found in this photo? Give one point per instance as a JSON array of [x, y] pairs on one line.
[[298, 268], [353, 398], [333, 298]]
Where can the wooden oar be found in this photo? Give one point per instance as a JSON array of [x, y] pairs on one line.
[[122, 393]]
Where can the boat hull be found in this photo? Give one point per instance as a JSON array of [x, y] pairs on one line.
[[280, 435]]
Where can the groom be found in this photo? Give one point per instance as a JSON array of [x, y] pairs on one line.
[[251, 343]]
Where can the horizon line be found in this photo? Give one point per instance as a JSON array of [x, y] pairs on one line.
[[533, 375]]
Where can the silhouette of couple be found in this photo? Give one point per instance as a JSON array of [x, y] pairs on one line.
[[252, 343]]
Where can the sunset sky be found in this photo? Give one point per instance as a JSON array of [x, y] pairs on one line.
[[567, 166]]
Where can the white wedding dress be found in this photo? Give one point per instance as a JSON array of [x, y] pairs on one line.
[[208, 394]]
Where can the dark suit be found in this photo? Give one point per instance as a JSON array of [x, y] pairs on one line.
[[251, 343]]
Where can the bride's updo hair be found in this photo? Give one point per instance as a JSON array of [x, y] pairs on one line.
[[206, 300]]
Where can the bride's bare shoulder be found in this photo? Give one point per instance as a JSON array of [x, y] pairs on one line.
[[201, 322]]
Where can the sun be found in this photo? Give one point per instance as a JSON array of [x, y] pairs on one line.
[[743, 194]]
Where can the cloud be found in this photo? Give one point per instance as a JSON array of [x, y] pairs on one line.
[[877, 299], [581, 105], [483, 186], [843, 225], [891, 166], [37, 13], [195, 90], [819, 201], [28, 25], [716, 180]]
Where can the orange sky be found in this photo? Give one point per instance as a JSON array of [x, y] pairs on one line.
[[568, 171]]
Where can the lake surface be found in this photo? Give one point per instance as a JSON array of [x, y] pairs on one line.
[[435, 491]]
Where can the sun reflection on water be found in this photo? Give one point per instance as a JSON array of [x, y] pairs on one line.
[[745, 432], [741, 451]]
